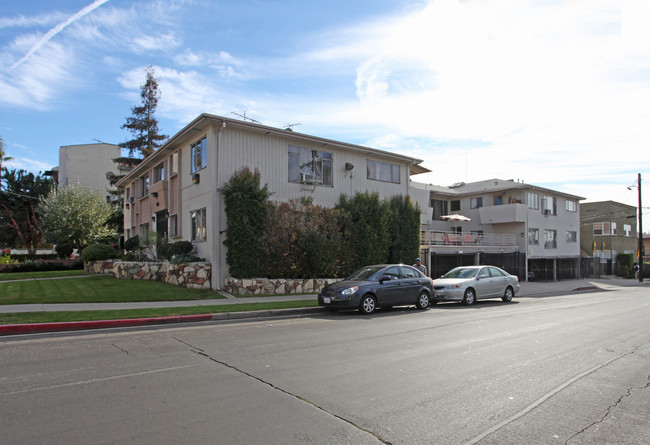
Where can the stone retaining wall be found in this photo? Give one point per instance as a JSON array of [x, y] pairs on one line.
[[265, 286], [190, 275]]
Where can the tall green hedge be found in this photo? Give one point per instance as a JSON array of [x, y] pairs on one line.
[[298, 239], [246, 208]]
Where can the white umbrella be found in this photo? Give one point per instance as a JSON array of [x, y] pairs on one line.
[[455, 217]]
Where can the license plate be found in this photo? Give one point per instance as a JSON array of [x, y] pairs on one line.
[[327, 300]]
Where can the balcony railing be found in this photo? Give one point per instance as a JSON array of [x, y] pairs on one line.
[[440, 238]]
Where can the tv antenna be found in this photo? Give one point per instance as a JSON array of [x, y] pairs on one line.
[[246, 118], [290, 126]]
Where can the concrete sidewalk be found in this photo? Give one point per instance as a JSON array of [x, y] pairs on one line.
[[528, 290]]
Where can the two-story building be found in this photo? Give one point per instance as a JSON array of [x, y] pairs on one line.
[[607, 229], [176, 190], [530, 231]]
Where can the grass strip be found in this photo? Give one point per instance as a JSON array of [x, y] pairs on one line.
[[42, 274], [63, 316]]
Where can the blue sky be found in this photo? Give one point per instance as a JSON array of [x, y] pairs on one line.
[[554, 93]]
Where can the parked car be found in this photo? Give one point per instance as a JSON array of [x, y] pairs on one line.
[[470, 283], [379, 285]]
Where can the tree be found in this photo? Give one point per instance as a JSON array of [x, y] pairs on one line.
[[18, 208], [143, 124], [75, 216], [3, 158]]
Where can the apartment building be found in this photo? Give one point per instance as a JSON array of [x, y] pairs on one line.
[[607, 229], [531, 231], [176, 190]]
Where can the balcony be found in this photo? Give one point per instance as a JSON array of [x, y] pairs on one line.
[[441, 238], [506, 213]]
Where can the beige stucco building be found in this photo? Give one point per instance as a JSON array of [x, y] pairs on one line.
[[176, 190], [89, 165]]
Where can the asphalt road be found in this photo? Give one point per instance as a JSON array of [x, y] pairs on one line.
[[554, 370]]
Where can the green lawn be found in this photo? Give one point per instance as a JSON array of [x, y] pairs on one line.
[[96, 289], [44, 274]]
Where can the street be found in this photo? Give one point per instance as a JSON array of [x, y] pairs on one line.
[[553, 370]]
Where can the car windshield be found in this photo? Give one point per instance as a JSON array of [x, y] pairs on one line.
[[461, 272], [369, 273]]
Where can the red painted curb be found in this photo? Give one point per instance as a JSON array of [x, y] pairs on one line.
[[31, 328]]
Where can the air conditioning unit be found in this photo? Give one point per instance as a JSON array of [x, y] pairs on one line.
[[132, 199], [306, 178], [547, 211]]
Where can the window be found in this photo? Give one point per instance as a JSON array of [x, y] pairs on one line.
[[571, 206], [199, 155], [144, 185], [550, 239], [605, 228], [627, 229], [455, 205], [144, 233], [382, 171], [498, 200], [159, 173], [309, 166], [439, 208], [173, 164], [533, 200], [572, 237], [549, 205], [173, 225], [475, 203], [533, 236], [199, 229]]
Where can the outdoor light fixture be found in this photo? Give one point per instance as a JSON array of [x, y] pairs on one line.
[[348, 166]]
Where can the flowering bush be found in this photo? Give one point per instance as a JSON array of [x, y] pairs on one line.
[[6, 259]]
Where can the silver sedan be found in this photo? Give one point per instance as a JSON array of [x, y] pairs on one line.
[[470, 283]]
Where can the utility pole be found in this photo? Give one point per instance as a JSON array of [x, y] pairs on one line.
[[640, 254]]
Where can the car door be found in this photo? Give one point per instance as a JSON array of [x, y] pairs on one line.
[[499, 280], [389, 287], [483, 284], [411, 282]]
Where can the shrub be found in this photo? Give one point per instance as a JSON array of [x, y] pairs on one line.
[[186, 258], [40, 266], [64, 250], [132, 243], [623, 272], [99, 252], [181, 248]]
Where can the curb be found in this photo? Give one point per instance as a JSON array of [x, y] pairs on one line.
[[34, 328]]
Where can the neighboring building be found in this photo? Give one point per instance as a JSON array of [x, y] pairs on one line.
[[530, 231], [89, 165], [646, 247], [176, 190], [607, 229]]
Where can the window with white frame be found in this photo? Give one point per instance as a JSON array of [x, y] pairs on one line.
[[199, 225], [383, 171], [173, 225], [571, 206], [627, 229], [549, 205], [199, 155], [173, 164], [533, 200], [572, 236], [550, 239], [533, 236], [310, 166], [475, 203], [144, 185], [159, 173], [604, 228]]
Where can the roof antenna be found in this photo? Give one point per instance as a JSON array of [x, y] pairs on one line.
[[290, 126], [246, 118]]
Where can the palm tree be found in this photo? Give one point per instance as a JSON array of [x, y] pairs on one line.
[[3, 158]]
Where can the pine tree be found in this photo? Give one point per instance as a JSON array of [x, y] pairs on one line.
[[143, 124]]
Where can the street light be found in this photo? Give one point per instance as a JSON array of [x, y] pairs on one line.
[[640, 245]]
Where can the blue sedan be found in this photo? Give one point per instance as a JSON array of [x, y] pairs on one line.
[[379, 285]]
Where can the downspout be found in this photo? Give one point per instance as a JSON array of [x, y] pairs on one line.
[[216, 213]]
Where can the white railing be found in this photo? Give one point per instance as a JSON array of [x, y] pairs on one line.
[[441, 238]]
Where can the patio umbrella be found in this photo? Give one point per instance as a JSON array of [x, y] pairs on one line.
[[455, 217]]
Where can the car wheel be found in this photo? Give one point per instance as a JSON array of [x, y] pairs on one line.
[[507, 296], [469, 298], [423, 301], [368, 305]]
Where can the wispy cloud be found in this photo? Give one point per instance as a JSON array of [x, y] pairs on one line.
[[57, 29]]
